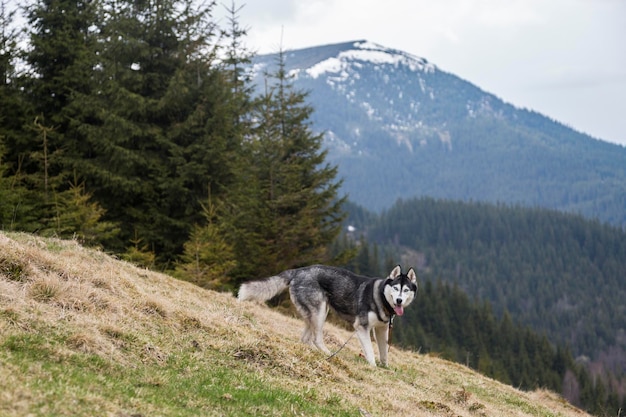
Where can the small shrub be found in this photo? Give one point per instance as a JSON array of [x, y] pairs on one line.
[[79, 341], [13, 270], [114, 332], [152, 307], [462, 396], [188, 322], [477, 407], [434, 406], [10, 316], [44, 290]]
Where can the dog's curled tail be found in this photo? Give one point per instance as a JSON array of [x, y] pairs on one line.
[[263, 290]]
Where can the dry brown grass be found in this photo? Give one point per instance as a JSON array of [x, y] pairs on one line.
[[129, 316]]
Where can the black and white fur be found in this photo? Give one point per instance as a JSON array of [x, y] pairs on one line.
[[366, 303]]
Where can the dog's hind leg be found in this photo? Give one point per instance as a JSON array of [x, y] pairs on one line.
[[311, 317], [307, 333], [306, 314], [317, 320], [312, 305]]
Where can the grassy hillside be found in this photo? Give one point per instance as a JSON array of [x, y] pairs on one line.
[[83, 334]]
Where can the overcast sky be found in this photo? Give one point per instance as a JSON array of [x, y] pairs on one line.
[[563, 58]]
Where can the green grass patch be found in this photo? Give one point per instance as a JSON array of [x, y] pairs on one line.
[[527, 407], [28, 346], [514, 401], [187, 383]]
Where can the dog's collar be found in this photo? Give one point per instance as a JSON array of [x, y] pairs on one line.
[[390, 311], [388, 308]]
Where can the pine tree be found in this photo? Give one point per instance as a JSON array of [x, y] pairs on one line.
[[121, 148], [11, 195], [62, 54], [9, 52], [58, 66], [296, 211], [207, 258], [139, 253], [8, 98], [158, 131], [18, 202], [238, 59], [62, 57], [76, 216]]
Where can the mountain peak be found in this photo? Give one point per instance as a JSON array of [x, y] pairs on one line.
[[370, 52], [337, 58]]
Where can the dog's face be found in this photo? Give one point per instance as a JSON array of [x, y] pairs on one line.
[[400, 289]]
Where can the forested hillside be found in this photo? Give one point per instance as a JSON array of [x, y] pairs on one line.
[[447, 323], [561, 275]]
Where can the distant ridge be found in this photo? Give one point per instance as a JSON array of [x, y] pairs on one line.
[[397, 126]]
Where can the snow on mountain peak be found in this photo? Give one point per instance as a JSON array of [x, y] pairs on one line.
[[365, 51]]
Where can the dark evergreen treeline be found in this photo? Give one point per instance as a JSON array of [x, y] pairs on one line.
[[533, 259], [444, 321], [133, 126], [556, 272]]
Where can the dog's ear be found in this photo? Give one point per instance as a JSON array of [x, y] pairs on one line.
[[412, 276], [396, 272]]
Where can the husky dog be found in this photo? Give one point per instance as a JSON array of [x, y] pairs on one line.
[[366, 303]]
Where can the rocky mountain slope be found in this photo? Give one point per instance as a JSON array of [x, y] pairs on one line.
[[398, 126]]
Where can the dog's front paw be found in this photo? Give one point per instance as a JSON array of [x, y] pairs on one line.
[[371, 362]]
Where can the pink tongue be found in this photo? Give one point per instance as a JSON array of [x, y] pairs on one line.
[[399, 310]]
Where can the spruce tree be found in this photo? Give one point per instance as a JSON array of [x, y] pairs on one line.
[[298, 212], [9, 54], [121, 147], [37, 138], [62, 53], [75, 215], [208, 257], [158, 131], [14, 198], [61, 58], [217, 241]]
